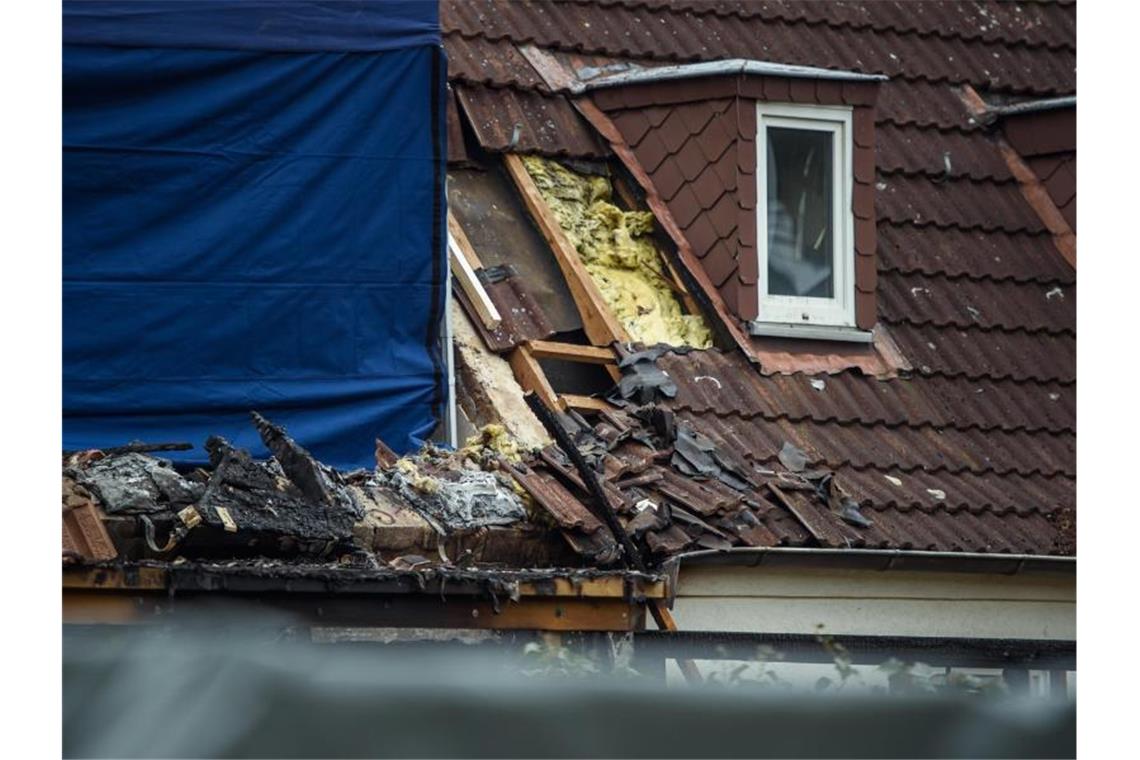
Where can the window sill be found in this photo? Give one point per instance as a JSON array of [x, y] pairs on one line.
[[809, 332]]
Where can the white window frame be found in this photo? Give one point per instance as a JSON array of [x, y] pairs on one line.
[[792, 313]]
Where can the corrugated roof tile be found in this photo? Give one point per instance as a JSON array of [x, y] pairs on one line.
[[548, 125], [920, 299], [958, 203]]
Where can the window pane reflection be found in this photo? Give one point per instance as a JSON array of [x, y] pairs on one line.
[[800, 261]]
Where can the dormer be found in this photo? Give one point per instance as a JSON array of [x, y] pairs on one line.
[[769, 170]]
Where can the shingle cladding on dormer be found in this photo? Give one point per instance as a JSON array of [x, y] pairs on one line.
[[697, 140]]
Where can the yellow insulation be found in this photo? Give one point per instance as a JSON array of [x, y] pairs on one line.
[[494, 439], [619, 254]]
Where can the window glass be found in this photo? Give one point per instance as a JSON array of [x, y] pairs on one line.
[[800, 246]]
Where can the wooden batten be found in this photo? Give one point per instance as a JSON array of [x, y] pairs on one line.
[[583, 403], [465, 247], [530, 376], [545, 349], [601, 326], [468, 280]]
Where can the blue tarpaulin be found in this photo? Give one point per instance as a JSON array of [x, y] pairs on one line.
[[254, 219]]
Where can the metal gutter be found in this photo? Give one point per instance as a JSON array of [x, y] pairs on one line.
[[1032, 106], [733, 66], [881, 559]]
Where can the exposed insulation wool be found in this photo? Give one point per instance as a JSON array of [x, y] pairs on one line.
[[495, 439], [423, 483], [619, 255]]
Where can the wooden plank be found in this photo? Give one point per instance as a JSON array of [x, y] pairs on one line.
[[465, 247], [601, 327], [664, 619], [531, 377], [571, 352], [574, 401], [594, 588], [141, 578], [86, 606], [472, 287]]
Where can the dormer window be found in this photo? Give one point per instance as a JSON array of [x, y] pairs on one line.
[[805, 222], [768, 173]]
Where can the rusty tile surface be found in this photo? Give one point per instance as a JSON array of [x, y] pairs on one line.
[[547, 124], [673, 34], [955, 203], [936, 154], [972, 254], [522, 317], [987, 304], [1039, 24]]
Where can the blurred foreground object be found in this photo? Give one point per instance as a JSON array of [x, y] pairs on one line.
[[238, 689]]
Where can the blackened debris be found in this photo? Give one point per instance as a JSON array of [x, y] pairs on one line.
[[463, 499], [134, 483], [260, 497], [298, 464], [695, 454], [642, 381]]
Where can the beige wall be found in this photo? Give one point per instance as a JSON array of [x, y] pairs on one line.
[[870, 602]]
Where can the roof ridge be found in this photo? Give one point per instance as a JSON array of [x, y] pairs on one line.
[[722, 12]]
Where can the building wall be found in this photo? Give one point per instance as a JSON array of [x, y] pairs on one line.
[[870, 602]]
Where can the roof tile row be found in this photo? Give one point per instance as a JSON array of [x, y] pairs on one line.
[[956, 203], [642, 33], [528, 122], [1039, 24], [972, 254], [714, 380], [901, 449], [922, 299]]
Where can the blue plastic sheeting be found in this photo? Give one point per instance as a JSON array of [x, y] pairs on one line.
[[251, 230], [268, 25]]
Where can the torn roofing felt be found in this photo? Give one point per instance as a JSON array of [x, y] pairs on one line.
[[253, 218]]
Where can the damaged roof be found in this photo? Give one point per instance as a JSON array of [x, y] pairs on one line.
[[966, 445], [970, 445]]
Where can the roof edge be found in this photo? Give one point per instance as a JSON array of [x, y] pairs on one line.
[[882, 559], [642, 75]]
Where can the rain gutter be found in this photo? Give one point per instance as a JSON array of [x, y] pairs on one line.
[[881, 559], [1033, 106]]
